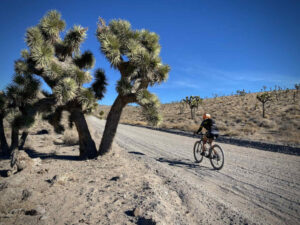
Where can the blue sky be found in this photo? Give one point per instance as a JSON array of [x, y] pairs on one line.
[[212, 47]]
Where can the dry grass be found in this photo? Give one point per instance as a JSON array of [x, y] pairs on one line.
[[70, 137], [236, 116]]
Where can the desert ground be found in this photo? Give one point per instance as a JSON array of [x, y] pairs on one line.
[[150, 177]]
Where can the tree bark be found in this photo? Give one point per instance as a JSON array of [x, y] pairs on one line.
[[192, 113], [263, 110], [14, 139], [87, 145], [111, 125], [23, 139], [3, 143]]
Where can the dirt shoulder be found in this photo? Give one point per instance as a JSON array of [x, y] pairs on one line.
[[115, 189]]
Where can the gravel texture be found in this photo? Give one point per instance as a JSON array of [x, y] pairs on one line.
[[254, 187]]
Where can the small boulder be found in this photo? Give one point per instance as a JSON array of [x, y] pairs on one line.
[[20, 160], [137, 212], [26, 194]]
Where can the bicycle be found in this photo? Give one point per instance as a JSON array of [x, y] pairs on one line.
[[215, 154]]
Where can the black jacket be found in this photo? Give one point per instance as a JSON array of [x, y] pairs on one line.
[[209, 125]]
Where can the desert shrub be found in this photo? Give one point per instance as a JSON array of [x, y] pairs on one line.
[[238, 120], [248, 129], [266, 123], [231, 133], [133, 122], [191, 127], [70, 137], [222, 126]]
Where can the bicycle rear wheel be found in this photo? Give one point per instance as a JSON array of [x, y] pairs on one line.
[[197, 151], [216, 157]]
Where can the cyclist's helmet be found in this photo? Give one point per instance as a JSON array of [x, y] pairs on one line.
[[206, 116]]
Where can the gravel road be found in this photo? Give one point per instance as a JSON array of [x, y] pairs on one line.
[[254, 186]]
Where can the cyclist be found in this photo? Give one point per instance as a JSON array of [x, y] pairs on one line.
[[212, 131]]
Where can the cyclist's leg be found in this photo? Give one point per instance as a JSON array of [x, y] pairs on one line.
[[204, 141], [215, 154]]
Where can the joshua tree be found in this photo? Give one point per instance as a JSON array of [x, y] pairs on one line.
[[181, 106], [18, 108], [4, 149], [297, 87], [276, 92], [193, 102], [101, 113], [263, 98], [241, 92], [135, 53], [61, 65], [21, 95]]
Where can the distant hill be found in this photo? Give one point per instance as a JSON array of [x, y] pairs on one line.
[[236, 116]]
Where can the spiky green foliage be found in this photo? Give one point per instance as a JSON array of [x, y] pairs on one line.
[[85, 61], [59, 62], [34, 37], [150, 107], [23, 90], [193, 101], [241, 92], [135, 53], [3, 104], [65, 90], [87, 99], [100, 83], [54, 118], [42, 54], [264, 97], [74, 39], [124, 86], [54, 71], [21, 67], [25, 54], [25, 119], [51, 25]]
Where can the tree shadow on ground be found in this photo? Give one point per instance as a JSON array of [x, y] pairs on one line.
[[34, 154], [182, 163], [136, 153], [3, 173], [4, 157]]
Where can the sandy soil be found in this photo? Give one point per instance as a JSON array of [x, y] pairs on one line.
[[149, 178]]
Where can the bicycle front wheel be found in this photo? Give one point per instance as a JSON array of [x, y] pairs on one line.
[[216, 157], [197, 151]]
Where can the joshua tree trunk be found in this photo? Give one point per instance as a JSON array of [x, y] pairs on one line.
[[111, 125], [14, 139], [3, 143], [263, 110], [23, 139], [87, 146], [193, 113]]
